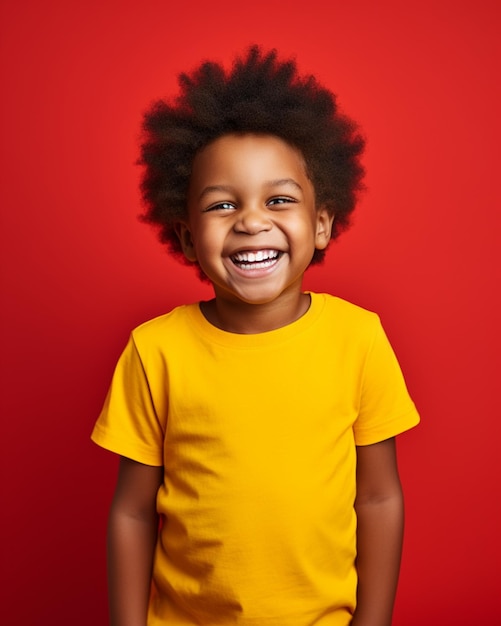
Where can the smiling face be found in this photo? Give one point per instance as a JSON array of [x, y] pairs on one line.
[[252, 221]]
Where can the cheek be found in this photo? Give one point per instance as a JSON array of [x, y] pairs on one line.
[[207, 243], [302, 230]]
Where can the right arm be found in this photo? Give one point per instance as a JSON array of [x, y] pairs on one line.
[[132, 533]]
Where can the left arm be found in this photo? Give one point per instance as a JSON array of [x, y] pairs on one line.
[[380, 519]]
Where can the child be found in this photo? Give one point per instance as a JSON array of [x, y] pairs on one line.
[[258, 482]]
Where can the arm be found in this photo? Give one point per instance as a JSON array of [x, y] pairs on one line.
[[132, 532], [380, 517]]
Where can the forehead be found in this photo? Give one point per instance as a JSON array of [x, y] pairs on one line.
[[249, 155]]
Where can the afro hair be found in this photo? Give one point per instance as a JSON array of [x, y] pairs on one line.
[[260, 95]]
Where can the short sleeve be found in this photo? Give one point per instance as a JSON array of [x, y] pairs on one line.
[[128, 423], [386, 408]]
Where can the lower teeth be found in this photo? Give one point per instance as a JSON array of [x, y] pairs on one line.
[[253, 266]]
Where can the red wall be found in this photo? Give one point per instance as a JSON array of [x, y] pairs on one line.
[[80, 271]]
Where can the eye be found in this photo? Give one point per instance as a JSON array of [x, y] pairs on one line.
[[221, 206], [280, 200]]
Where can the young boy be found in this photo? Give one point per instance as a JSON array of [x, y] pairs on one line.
[[258, 482]]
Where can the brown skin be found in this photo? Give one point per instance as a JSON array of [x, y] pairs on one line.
[[247, 194], [252, 193], [380, 520], [133, 527], [132, 532]]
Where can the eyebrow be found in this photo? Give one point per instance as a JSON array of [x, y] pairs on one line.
[[212, 188], [279, 182]]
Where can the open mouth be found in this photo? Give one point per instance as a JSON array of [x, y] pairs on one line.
[[260, 259]]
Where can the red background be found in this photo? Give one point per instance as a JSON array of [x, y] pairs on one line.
[[80, 271]]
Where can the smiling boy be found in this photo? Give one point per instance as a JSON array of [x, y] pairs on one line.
[[253, 227], [259, 426]]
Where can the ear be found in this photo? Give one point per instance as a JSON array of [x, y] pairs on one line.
[[323, 228], [183, 233]]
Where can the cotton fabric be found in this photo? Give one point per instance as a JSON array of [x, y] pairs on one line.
[[257, 435]]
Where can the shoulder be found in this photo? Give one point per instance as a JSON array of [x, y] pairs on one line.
[[167, 326], [345, 315]]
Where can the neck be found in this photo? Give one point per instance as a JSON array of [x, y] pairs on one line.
[[249, 319]]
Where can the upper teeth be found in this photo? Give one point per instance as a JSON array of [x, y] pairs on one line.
[[260, 255]]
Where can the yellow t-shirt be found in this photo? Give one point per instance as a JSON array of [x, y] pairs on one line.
[[257, 437]]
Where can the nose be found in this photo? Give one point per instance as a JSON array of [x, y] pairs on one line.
[[252, 220]]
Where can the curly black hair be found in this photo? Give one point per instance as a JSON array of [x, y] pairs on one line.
[[259, 95]]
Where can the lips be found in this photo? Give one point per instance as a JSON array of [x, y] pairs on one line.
[[257, 259]]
